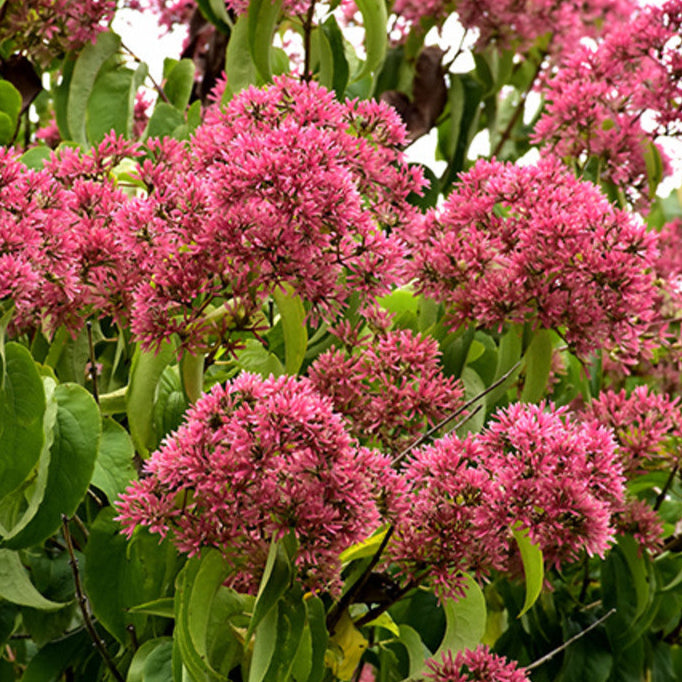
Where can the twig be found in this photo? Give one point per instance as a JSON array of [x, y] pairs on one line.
[[456, 413], [83, 604], [93, 366], [565, 645], [347, 599], [382, 608], [519, 109], [307, 32], [666, 487], [157, 87]]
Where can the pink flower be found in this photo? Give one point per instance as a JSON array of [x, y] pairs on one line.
[[46, 29], [558, 479], [254, 460], [284, 186], [478, 664], [647, 426], [597, 101], [388, 386], [517, 244]]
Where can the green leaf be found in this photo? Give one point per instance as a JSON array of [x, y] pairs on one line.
[[508, 354], [215, 12], [276, 578], [7, 129], [85, 71], [654, 167], [347, 646], [192, 374], [278, 637], [35, 158], [364, 548], [262, 19], [533, 567], [164, 607], [292, 314], [417, 651], [170, 405], [473, 386], [114, 468], [180, 83], [538, 364], [165, 119], [16, 587], [72, 459], [317, 625], [465, 620], [255, 358], [152, 661], [22, 407], [337, 71], [119, 573], [109, 101], [145, 373], [205, 615], [239, 67], [53, 659], [10, 101], [374, 20]]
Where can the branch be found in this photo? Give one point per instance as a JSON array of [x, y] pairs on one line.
[[93, 365], [565, 645], [157, 87], [347, 599], [307, 31], [83, 604]]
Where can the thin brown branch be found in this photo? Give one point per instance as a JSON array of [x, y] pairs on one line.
[[93, 364], [575, 638], [83, 604], [156, 85], [307, 33]]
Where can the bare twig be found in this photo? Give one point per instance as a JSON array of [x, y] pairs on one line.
[[307, 32], [156, 85], [565, 645], [666, 487], [83, 604], [434, 429], [374, 613]]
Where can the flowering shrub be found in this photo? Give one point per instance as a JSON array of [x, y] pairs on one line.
[[279, 403]]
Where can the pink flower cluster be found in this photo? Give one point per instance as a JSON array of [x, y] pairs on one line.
[[517, 244], [61, 259], [388, 386], [259, 459], [531, 469], [611, 100], [647, 426], [477, 664], [284, 186], [46, 29]]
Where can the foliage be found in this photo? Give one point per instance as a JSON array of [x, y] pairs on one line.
[[276, 404]]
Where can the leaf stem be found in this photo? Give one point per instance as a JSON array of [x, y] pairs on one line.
[[83, 604]]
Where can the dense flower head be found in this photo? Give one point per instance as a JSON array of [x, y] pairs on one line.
[[474, 664], [389, 386], [46, 29], [517, 244], [533, 469], [638, 519], [445, 526], [647, 426], [37, 255], [257, 459], [284, 187], [610, 101], [509, 23], [558, 479]]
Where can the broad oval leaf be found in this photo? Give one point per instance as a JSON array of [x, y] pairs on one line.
[[538, 364], [293, 317], [17, 588], [75, 443], [376, 40]]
